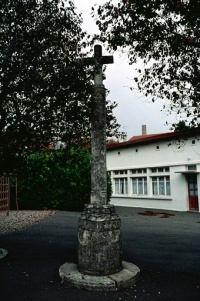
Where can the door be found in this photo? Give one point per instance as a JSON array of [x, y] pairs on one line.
[[193, 192]]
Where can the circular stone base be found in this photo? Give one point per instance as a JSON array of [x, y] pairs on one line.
[[123, 279]]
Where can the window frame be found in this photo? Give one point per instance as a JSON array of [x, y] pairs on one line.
[[122, 188], [136, 189], [161, 185]]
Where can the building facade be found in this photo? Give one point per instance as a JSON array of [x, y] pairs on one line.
[[160, 171]]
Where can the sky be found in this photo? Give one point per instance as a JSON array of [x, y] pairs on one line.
[[134, 109]]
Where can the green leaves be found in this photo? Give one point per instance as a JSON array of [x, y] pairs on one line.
[[44, 90], [165, 34], [55, 180]]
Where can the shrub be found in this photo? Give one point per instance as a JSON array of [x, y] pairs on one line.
[[55, 180]]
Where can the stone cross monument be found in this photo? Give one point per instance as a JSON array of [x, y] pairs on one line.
[[100, 265], [99, 230], [98, 129]]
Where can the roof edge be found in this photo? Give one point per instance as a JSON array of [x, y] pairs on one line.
[[146, 139]]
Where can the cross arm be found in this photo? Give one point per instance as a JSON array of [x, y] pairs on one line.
[[107, 59]]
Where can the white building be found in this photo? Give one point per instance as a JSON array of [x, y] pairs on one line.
[[160, 171]]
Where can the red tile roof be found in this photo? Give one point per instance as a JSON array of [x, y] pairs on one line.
[[152, 138]]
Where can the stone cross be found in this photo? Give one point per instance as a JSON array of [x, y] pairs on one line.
[[98, 60], [99, 227], [98, 129]]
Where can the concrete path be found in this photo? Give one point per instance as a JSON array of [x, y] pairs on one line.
[[165, 247]]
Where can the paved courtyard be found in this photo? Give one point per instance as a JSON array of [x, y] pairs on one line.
[[164, 245]]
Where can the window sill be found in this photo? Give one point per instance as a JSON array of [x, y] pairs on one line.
[[142, 197]]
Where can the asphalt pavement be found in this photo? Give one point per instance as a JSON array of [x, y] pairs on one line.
[[165, 245]]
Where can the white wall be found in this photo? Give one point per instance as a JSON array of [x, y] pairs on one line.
[[173, 154]]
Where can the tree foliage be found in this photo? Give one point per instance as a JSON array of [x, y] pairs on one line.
[[55, 180], [44, 87], [164, 37]]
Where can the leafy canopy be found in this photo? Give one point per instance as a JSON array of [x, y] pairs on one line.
[[44, 87], [164, 36]]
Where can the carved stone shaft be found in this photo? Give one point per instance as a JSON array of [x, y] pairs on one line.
[[98, 148]]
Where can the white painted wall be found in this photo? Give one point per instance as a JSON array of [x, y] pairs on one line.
[[173, 154]]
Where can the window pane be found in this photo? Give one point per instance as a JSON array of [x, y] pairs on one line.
[[121, 186], [191, 186], [116, 186], [192, 167], [168, 190], [140, 186], [126, 186], [161, 186], [155, 186], [145, 185], [134, 186]]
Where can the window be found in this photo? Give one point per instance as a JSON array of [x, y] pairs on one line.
[[160, 169], [139, 186], [121, 186], [192, 167], [161, 185], [140, 170], [120, 172]]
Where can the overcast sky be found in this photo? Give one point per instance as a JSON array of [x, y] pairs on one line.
[[134, 109]]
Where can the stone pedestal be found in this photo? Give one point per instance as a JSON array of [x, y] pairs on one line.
[[99, 236]]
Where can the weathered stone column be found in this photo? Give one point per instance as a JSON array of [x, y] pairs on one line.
[[100, 266], [98, 148], [99, 232]]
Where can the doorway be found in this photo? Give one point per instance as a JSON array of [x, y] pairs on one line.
[[193, 193]]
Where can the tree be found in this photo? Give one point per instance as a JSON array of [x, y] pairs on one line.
[[55, 180], [164, 35], [44, 87], [181, 126]]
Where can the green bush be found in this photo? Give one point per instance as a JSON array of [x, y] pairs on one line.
[[55, 180]]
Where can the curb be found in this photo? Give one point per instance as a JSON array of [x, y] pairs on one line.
[[121, 280]]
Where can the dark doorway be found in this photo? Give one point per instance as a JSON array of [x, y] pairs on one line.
[[193, 193]]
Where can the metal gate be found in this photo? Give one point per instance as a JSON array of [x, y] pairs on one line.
[[5, 194]]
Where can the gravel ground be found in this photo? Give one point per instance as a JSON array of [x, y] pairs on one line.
[[19, 220]]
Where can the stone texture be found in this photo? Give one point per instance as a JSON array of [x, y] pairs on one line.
[[99, 236], [99, 228], [71, 276], [98, 147], [127, 277]]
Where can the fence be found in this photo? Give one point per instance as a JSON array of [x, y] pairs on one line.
[[5, 194]]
